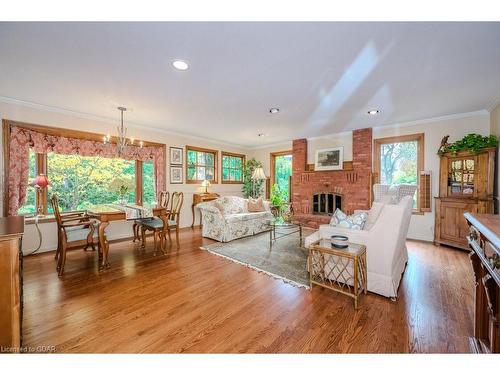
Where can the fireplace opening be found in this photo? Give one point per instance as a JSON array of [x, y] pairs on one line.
[[326, 203]]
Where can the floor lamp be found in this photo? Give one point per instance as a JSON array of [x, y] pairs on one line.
[[258, 174]]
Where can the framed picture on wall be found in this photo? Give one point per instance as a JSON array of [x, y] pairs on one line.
[[176, 156], [329, 159], [176, 175]]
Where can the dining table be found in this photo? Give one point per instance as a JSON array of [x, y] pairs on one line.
[[105, 214]]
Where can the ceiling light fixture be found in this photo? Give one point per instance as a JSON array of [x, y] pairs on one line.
[[373, 112], [121, 142], [274, 110], [180, 65], [261, 135]]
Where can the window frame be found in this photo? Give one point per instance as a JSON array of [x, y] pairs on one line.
[[235, 155], [420, 139], [41, 162], [216, 164]]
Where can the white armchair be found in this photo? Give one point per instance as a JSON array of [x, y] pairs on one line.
[[385, 241]]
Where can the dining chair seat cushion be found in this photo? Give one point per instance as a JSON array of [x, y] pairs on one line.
[[155, 223], [79, 233]]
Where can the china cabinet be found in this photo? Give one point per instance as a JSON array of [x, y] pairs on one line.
[[465, 185]]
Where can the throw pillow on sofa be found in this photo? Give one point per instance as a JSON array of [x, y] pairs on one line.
[[255, 205], [354, 221]]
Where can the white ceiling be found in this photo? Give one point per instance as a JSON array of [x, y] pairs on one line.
[[323, 76]]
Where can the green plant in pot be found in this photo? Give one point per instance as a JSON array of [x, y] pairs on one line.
[[280, 206], [471, 142]]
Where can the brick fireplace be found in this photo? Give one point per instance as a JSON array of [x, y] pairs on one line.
[[350, 186]]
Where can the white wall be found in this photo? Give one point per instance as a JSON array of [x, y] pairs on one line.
[[116, 229], [422, 226], [495, 130]]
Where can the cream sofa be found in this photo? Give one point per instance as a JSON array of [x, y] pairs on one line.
[[384, 236], [227, 218]]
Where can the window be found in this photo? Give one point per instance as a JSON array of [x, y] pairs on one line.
[[281, 171], [83, 181], [29, 207], [148, 183], [232, 168], [399, 160], [201, 165]]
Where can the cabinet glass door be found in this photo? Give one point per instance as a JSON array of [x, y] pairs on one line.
[[461, 178]]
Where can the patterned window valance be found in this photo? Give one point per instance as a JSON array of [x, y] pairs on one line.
[[22, 139]]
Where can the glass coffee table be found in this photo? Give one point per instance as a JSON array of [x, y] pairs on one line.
[[279, 228]]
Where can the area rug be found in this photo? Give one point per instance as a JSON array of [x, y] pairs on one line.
[[286, 260]]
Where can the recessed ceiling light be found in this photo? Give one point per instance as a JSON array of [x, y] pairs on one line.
[[180, 65], [274, 110], [373, 112]]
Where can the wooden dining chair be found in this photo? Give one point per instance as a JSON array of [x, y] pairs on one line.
[[72, 229], [159, 226], [174, 215], [163, 199]]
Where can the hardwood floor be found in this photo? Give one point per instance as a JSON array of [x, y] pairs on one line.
[[192, 301]]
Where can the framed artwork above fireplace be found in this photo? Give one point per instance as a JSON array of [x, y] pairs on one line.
[[329, 159]]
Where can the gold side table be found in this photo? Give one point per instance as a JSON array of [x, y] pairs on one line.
[[342, 270]]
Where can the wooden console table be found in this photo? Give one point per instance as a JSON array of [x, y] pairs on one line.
[[200, 198], [484, 240]]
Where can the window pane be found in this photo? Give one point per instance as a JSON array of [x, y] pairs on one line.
[[191, 157], [148, 183], [30, 205], [237, 163], [225, 161], [209, 174], [237, 175], [201, 158], [191, 173], [209, 159], [225, 174], [81, 181], [283, 171], [398, 164], [200, 175]]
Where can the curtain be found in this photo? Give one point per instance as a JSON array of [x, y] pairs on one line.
[[21, 140]]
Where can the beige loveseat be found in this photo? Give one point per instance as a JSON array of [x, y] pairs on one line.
[[227, 218]]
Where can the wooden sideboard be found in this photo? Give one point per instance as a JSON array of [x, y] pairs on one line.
[[200, 198], [484, 240], [11, 298]]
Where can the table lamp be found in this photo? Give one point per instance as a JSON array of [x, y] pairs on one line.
[[205, 184], [258, 174], [39, 183]]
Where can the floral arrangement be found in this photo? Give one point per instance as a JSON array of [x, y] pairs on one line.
[[121, 185]]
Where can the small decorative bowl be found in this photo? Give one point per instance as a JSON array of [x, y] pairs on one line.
[[339, 242]]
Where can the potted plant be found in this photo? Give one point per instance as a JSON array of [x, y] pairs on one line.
[[471, 142], [279, 203]]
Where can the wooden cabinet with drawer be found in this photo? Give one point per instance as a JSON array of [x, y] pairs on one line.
[[11, 300], [465, 185]]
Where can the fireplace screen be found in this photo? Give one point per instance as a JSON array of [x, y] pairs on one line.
[[326, 203]]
